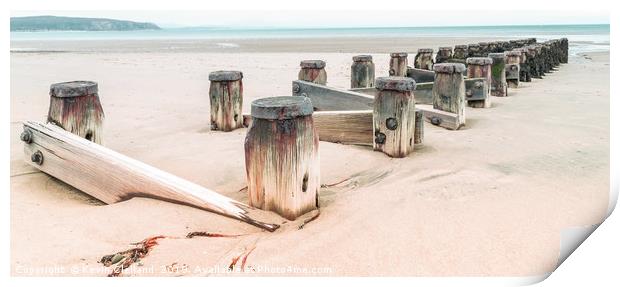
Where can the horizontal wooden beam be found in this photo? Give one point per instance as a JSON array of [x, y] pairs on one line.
[[420, 75], [112, 177], [326, 98], [440, 118], [475, 89], [345, 127]]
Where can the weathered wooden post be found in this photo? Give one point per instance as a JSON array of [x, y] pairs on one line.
[[484, 48], [75, 107], [532, 62], [362, 72], [226, 98], [460, 54], [480, 67], [499, 88], [449, 90], [443, 55], [564, 47], [419, 127], [394, 116], [513, 60], [282, 156], [473, 50], [424, 59], [313, 71], [398, 64], [524, 69]]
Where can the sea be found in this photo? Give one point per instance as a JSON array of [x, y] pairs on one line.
[[583, 38]]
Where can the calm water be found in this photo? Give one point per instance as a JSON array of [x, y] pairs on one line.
[[596, 36]]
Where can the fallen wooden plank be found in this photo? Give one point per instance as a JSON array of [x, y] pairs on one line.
[[331, 99], [112, 177], [440, 118]]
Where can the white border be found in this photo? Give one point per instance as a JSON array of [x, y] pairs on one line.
[[595, 261]]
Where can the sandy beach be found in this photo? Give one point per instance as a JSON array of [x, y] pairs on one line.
[[488, 200]]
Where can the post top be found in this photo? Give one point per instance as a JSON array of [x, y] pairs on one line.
[[480, 61], [362, 58], [313, 64], [425, 50], [219, 76], [445, 48], [73, 89], [395, 83], [398, 54], [449, 68], [281, 108], [497, 55], [473, 46], [460, 47], [513, 53]]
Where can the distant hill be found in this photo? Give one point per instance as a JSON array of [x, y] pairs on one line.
[[55, 23]]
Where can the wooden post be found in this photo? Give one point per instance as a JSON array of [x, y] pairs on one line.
[[394, 116], [398, 64], [532, 62], [362, 72], [112, 177], [282, 156], [473, 50], [449, 90], [460, 53], [524, 69], [443, 55], [478, 67], [513, 60], [75, 107], [485, 48], [313, 71], [424, 59], [226, 96], [419, 127], [564, 47], [499, 88]]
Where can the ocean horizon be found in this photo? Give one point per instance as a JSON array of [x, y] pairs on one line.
[[583, 32], [582, 37]]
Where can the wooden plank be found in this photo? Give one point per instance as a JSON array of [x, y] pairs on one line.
[[345, 127], [440, 118], [331, 99], [476, 89], [112, 177], [366, 91], [421, 76]]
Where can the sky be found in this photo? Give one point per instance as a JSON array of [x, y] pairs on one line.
[[300, 18]]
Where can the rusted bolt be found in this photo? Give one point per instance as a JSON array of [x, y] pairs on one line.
[[304, 95], [392, 72], [435, 120], [514, 68], [391, 123], [26, 136], [478, 85], [380, 138], [469, 94], [37, 157], [296, 88]]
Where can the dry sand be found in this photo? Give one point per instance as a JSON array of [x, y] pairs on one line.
[[490, 199]]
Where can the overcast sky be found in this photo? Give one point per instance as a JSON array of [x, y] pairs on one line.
[[339, 18]]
